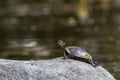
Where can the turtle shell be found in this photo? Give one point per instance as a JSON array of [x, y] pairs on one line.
[[78, 52]]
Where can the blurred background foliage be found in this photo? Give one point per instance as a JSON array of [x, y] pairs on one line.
[[29, 29]]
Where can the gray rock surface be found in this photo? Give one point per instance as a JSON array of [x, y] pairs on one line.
[[53, 69]]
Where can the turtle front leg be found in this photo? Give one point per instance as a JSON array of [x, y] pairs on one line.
[[65, 56]]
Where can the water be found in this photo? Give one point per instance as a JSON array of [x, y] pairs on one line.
[[30, 42], [35, 37]]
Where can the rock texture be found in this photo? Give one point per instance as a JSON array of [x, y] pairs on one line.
[[53, 69]]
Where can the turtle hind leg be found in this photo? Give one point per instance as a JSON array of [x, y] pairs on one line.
[[93, 63]]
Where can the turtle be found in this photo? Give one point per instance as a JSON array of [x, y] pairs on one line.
[[76, 53]]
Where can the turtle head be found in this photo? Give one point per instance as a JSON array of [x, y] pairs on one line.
[[61, 44]]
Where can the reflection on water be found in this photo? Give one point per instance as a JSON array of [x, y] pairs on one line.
[[103, 47]]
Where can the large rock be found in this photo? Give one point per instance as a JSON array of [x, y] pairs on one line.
[[53, 69]]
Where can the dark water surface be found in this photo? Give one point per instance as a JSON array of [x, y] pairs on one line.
[[28, 41], [26, 37]]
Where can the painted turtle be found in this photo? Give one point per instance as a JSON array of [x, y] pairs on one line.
[[76, 53]]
